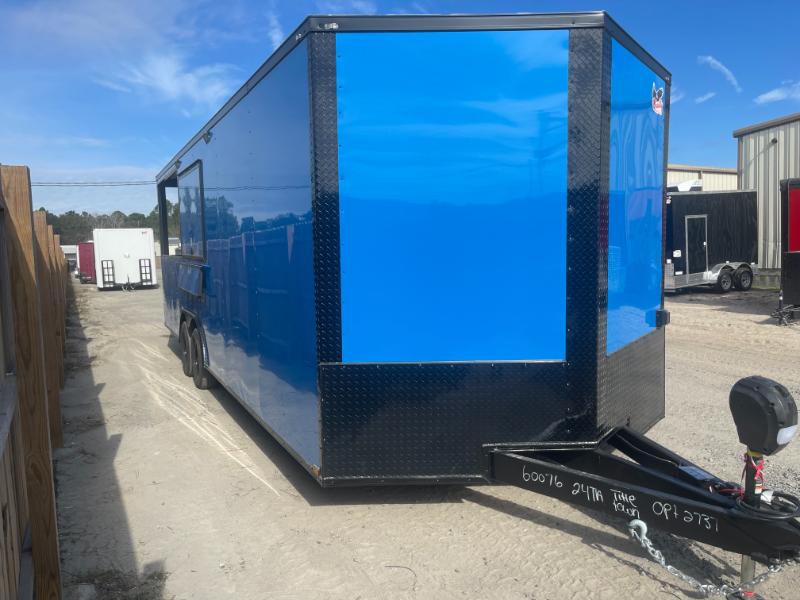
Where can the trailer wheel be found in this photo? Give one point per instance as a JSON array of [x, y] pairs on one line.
[[743, 279], [203, 380], [724, 281], [185, 342]]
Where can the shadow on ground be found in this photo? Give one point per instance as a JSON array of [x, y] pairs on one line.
[[753, 302], [688, 556], [87, 485]]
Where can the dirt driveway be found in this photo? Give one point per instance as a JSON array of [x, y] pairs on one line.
[[165, 491]]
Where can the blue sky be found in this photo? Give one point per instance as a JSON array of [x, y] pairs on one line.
[[97, 90]]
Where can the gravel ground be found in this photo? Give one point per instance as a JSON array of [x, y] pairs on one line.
[[165, 491]]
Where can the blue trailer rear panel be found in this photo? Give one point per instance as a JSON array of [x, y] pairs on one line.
[[453, 195], [409, 240]]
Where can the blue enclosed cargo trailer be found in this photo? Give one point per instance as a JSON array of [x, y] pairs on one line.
[[407, 239], [430, 249]]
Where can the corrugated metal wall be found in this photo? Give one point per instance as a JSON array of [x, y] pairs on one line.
[[713, 181], [762, 165]]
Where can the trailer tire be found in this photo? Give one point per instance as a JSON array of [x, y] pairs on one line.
[[724, 281], [743, 279], [185, 343], [203, 380]]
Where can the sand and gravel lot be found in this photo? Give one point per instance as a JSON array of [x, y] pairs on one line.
[[165, 491]]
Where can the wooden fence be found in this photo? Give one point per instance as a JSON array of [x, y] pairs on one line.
[[33, 280]]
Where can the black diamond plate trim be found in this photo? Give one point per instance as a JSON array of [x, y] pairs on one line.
[[633, 383], [602, 243], [325, 203], [409, 421], [587, 192]]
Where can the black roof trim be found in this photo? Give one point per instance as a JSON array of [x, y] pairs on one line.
[[386, 23], [766, 125], [631, 44]]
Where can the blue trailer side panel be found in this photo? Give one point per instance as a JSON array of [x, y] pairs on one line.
[[636, 184], [452, 191], [257, 307]]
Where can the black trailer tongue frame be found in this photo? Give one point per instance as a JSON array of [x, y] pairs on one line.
[[629, 476]]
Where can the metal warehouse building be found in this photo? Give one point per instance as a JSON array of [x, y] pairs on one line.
[[769, 152], [708, 179]]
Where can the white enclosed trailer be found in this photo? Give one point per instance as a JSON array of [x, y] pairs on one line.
[[124, 258]]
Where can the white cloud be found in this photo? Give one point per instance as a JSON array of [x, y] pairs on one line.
[[168, 78], [86, 141], [138, 46], [274, 30], [82, 26], [345, 7], [788, 90], [718, 66], [39, 141], [705, 97], [676, 95], [112, 85]]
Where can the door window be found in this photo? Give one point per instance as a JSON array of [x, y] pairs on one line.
[[190, 196]]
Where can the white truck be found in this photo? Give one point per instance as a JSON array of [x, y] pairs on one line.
[[124, 258]]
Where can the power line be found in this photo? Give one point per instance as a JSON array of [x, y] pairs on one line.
[[238, 188], [89, 183]]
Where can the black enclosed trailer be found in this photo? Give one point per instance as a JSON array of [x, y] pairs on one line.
[[712, 239]]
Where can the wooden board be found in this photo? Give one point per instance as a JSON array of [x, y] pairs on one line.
[[50, 328], [58, 301], [31, 385]]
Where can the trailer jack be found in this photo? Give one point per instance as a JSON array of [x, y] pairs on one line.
[[628, 475]]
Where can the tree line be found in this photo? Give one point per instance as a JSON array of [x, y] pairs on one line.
[[75, 227]]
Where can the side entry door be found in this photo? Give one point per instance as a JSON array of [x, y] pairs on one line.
[[696, 244]]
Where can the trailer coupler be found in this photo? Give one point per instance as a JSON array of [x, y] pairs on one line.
[[629, 476]]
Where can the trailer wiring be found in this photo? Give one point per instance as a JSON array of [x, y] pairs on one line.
[[775, 505]]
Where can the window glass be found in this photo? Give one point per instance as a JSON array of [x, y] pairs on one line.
[[190, 196]]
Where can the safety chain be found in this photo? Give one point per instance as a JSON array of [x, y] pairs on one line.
[[638, 531]]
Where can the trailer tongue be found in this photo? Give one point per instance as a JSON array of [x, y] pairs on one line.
[[655, 485], [628, 475]]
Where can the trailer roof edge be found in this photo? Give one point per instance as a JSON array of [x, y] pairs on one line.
[[386, 23], [627, 40]]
